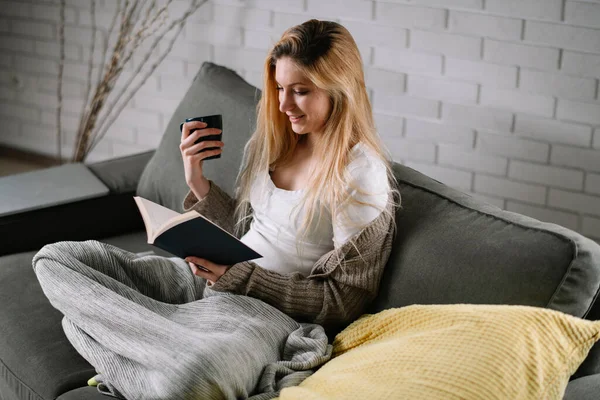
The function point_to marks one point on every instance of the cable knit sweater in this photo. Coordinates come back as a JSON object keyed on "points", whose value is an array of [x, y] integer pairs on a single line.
{"points": [[342, 282]]}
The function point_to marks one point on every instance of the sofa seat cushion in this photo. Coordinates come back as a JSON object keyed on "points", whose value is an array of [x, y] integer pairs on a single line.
{"points": [[459, 351], [36, 359]]}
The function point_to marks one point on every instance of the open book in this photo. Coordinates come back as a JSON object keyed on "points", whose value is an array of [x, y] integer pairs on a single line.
{"points": [[191, 234]]}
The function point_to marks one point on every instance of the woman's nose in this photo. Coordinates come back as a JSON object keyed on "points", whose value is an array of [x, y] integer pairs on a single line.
{"points": [[286, 102]]}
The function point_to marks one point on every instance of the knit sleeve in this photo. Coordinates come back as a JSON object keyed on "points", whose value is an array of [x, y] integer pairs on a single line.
{"points": [[217, 206], [342, 283]]}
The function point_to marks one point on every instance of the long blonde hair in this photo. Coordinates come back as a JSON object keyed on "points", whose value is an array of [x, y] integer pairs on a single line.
{"points": [[328, 56]]}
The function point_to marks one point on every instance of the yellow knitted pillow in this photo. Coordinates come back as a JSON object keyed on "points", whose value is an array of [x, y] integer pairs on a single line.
{"points": [[457, 351]]}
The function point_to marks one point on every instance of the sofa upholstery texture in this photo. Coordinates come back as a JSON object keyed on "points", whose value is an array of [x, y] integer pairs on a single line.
{"points": [[450, 248]]}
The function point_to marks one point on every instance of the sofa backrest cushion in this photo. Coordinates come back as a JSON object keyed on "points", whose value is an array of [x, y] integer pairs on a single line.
{"points": [[453, 248], [215, 90]]}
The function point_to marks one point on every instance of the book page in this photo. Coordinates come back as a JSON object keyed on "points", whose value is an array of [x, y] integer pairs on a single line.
{"points": [[154, 215]]}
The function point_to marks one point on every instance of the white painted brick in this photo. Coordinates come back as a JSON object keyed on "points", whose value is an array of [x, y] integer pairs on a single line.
{"points": [[51, 49], [408, 61], [15, 9], [517, 101], [16, 44], [457, 179], [514, 148], [596, 143], [254, 78], [559, 85], [214, 34], [472, 160], [276, 5], [246, 59], [493, 75], [145, 120], [102, 19], [52, 13], [578, 111], [447, 44], [148, 140], [440, 89], [591, 227], [120, 134], [373, 34], [193, 52], [405, 105], [22, 112], [385, 81], [586, 159], [67, 122], [564, 36], [526, 9], [33, 29], [50, 86], [485, 25], [35, 65], [545, 174], [282, 21], [552, 130], [581, 64], [566, 219], [495, 201], [79, 70], [80, 35], [242, 16], [586, 14], [409, 16], [477, 117], [43, 101], [516, 54], [402, 149], [330, 9], [467, 4], [255, 39], [439, 133], [156, 103], [388, 125], [592, 183], [581, 203], [124, 149], [509, 189], [167, 66]]}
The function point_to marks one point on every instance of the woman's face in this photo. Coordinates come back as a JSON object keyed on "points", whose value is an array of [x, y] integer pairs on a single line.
{"points": [[306, 106]]}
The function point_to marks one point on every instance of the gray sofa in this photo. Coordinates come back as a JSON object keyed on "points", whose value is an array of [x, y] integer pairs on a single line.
{"points": [[450, 248]]}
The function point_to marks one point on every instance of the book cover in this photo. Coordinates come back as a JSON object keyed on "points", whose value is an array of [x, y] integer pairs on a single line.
{"points": [[191, 234]]}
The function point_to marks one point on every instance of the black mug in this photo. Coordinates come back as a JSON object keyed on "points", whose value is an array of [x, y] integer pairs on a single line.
{"points": [[212, 121]]}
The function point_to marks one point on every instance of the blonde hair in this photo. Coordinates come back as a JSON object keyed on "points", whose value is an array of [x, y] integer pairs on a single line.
{"points": [[328, 56]]}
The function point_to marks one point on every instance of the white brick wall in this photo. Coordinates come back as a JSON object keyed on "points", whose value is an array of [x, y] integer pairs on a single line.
{"points": [[496, 98]]}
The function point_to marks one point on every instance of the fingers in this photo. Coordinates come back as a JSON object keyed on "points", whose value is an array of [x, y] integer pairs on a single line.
{"points": [[206, 269], [197, 134], [188, 126]]}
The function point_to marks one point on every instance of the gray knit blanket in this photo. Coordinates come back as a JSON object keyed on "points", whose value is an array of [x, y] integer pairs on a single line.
{"points": [[153, 330]]}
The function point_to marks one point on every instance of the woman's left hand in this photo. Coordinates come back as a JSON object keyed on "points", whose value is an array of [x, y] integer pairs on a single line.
{"points": [[206, 269]]}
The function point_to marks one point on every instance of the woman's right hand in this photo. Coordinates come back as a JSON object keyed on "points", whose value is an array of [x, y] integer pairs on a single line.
{"points": [[193, 159]]}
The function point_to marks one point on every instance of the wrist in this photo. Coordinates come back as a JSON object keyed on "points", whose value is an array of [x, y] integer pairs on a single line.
{"points": [[200, 188]]}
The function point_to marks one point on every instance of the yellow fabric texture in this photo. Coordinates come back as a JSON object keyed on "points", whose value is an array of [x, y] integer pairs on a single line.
{"points": [[459, 351]]}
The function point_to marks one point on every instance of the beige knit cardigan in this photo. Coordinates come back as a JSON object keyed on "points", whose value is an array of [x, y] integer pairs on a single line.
{"points": [[342, 282]]}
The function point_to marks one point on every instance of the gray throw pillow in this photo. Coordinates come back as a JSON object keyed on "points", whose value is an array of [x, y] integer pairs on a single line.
{"points": [[215, 90]]}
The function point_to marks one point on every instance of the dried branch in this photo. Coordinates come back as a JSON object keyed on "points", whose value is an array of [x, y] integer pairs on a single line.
{"points": [[61, 65], [139, 20], [180, 23]]}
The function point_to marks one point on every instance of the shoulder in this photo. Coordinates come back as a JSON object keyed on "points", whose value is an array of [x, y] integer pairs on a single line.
{"points": [[366, 169]]}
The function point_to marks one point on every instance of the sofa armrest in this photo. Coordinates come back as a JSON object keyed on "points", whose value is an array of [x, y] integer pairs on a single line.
{"points": [[121, 175], [584, 388], [97, 218]]}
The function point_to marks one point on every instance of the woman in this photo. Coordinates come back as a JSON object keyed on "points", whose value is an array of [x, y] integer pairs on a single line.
{"points": [[316, 197], [315, 154]]}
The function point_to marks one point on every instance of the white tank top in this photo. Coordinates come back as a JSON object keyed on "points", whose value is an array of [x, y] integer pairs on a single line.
{"points": [[274, 235]]}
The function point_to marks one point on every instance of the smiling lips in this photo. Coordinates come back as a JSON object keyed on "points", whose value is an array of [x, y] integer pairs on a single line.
{"points": [[295, 118]]}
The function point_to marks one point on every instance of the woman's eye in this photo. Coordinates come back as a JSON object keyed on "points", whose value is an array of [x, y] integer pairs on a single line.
{"points": [[301, 93], [279, 88]]}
